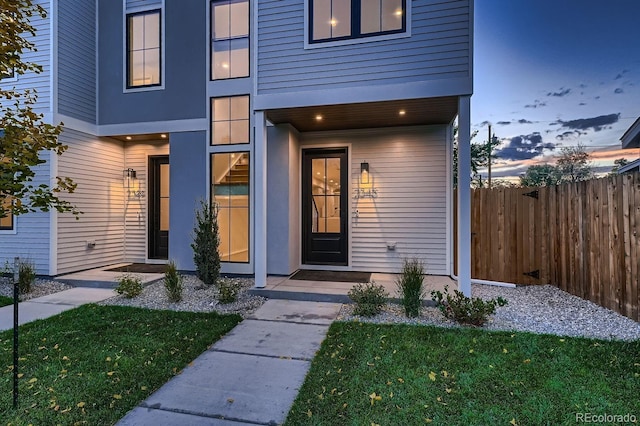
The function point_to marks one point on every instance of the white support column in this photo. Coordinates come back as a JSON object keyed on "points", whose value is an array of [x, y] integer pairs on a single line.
{"points": [[464, 195], [260, 191]]}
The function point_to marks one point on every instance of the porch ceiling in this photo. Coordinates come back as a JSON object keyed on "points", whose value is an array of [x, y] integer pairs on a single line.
{"points": [[368, 115]]}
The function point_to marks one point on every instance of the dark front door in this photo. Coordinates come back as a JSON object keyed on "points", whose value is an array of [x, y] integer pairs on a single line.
{"points": [[158, 207], [324, 206]]}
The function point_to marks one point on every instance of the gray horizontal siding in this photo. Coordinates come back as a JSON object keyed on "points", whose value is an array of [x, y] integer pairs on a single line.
{"points": [[96, 165], [408, 168], [77, 59], [439, 48], [40, 82], [143, 4], [32, 239]]}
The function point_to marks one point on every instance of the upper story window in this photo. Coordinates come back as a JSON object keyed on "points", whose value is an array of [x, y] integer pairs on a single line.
{"points": [[332, 20], [230, 120], [143, 49], [229, 39]]}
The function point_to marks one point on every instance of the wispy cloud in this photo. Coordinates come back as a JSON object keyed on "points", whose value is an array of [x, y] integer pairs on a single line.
{"points": [[524, 147], [536, 104], [524, 121], [563, 92], [595, 123], [618, 91], [504, 123]]}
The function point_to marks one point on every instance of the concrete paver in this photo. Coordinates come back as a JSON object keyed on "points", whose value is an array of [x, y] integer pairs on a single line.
{"points": [[277, 339], [141, 416], [53, 304], [252, 375], [244, 387], [297, 311]]}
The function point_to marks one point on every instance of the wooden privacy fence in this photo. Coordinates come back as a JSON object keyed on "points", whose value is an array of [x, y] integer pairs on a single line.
{"points": [[582, 237]]}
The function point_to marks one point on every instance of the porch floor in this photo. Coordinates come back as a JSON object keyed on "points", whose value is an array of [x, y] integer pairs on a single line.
{"points": [[279, 287]]}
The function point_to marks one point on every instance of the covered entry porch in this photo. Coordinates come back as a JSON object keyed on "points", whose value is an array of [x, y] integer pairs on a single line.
{"points": [[358, 127]]}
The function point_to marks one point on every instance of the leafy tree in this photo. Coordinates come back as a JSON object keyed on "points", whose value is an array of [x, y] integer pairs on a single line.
{"points": [[24, 136], [573, 164], [540, 175], [479, 158], [617, 164]]}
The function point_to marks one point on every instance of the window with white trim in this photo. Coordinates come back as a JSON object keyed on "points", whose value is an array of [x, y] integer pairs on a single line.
{"points": [[144, 53], [332, 20], [6, 222]]}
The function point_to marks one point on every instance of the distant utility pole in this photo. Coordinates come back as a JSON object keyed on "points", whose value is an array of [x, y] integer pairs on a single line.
{"points": [[489, 155]]}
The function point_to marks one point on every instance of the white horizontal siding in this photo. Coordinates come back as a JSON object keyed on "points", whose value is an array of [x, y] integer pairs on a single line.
{"points": [[408, 168], [31, 241], [40, 82], [96, 165], [439, 47], [77, 59], [137, 157]]}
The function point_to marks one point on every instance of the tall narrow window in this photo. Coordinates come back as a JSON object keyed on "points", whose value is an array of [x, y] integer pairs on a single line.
{"points": [[143, 49], [229, 39], [230, 191], [6, 222], [230, 120], [331, 20]]}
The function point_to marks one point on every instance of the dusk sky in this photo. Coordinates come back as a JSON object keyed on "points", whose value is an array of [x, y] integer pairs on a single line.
{"points": [[554, 73]]}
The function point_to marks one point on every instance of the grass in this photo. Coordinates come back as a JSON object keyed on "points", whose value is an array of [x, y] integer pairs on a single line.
{"points": [[366, 374], [91, 365], [6, 301]]}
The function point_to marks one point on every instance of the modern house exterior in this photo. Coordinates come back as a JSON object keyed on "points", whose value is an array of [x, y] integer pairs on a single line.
{"points": [[323, 129]]}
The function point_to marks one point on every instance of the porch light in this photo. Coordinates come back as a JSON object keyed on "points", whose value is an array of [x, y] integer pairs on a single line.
{"points": [[318, 117], [131, 184], [402, 112], [364, 173]]}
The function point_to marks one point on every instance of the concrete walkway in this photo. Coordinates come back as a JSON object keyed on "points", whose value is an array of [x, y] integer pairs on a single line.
{"points": [[249, 377], [53, 304]]}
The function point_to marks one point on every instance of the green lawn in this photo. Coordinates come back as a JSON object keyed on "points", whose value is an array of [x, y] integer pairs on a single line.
{"points": [[92, 364], [368, 374], [6, 301]]}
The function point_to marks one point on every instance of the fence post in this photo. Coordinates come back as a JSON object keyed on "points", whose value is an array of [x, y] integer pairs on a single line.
{"points": [[16, 291]]}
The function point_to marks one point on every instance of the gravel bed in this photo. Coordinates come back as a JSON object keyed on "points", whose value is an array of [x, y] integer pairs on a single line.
{"points": [[39, 288], [537, 309], [196, 297]]}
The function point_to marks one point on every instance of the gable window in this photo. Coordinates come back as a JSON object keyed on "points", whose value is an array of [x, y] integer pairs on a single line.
{"points": [[229, 39], [143, 49], [332, 20], [230, 120]]}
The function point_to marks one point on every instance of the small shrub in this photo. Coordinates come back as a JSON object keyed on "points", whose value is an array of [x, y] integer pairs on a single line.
{"points": [[26, 276], [206, 241], [411, 286], [173, 283], [228, 290], [369, 299], [463, 309], [129, 285]]}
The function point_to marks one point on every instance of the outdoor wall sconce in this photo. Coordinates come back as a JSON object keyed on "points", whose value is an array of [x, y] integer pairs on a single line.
{"points": [[365, 187], [364, 173], [132, 184]]}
